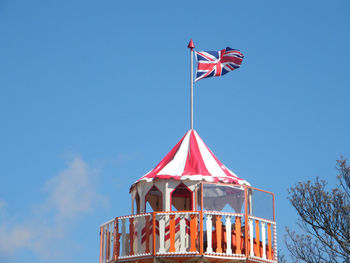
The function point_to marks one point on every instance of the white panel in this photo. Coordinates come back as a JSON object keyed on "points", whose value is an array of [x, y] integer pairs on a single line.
{"points": [[177, 164], [251, 235], [172, 184], [142, 189], [263, 237], [162, 186], [145, 188], [209, 234], [228, 235], [191, 184], [142, 204], [162, 234], [182, 233], [167, 205]]}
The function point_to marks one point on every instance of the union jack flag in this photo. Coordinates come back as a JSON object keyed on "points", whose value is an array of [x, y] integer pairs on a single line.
{"points": [[217, 63]]}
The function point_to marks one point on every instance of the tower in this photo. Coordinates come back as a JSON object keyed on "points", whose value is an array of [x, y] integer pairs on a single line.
{"points": [[192, 208]]}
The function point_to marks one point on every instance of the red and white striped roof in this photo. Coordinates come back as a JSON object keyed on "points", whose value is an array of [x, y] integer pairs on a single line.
{"points": [[192, 159]]}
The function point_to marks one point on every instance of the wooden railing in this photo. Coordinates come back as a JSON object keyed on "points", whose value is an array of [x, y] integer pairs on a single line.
{"points": [[188, 233], [108, 240], [224, 234], [262, 238]]}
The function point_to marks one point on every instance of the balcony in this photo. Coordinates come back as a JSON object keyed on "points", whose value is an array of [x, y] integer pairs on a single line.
{"points": [[186, 235]]}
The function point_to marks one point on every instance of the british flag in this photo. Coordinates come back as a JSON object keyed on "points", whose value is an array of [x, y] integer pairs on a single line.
{"points": [[217, 63]]}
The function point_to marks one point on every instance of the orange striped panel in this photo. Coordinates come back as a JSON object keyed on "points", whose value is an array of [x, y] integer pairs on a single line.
{"points": [[172, 233], [218, 227], [257, 239], [193, 232], [269, 238], [238, 235]]}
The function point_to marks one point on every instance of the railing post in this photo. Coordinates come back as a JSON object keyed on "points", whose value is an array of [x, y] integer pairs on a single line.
{"points": [[218, 227], [101, 244], [124, 241], [209, 233], [182, 233], [147, 228], [257, 239], [263, 237], [154, 225], [228, 235], [161, 234], [116, 245], [172, 233], [269, 255], [138, 249], [246, 243], [131, 235], [238, 235], [275, 242], [201, 232], [251, 236], [108, 241], [193, 232]]}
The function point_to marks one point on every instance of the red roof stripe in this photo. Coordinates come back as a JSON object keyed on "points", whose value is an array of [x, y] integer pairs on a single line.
{"points": [[165, 160], [195, 164]]}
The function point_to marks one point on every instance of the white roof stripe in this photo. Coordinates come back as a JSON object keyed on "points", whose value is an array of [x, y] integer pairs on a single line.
{"points": [[212, 166], [177, 165]]}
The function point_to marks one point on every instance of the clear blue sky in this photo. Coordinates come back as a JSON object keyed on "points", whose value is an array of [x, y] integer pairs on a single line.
{"points": [[94, 93]]}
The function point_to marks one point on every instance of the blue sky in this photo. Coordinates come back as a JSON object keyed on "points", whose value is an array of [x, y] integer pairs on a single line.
{"points": [[94, 93]]}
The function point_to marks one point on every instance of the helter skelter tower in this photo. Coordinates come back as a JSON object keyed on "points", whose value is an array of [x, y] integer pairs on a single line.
{"points": [[192, 208]]}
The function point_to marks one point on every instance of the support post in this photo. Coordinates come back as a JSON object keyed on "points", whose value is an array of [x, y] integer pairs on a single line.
{"points": [[191, 47], [101, 244]]}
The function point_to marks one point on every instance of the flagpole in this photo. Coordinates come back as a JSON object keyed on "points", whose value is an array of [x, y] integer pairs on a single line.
{"points": [[191, 47]]}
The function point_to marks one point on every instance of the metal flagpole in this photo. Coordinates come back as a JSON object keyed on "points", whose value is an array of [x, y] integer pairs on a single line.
{"points": [[191, 47]]}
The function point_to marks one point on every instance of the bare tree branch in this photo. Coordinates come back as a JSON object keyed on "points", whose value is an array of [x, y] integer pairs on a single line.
{"points": [[324, 216]]}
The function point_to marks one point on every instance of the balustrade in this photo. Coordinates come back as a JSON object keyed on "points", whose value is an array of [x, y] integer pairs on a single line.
{"points": [[262, 238], [188, 233]]}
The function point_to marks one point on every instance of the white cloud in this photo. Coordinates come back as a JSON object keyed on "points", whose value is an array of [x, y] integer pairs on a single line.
{"points": [[13, 238], [71, 193], [2, 204], [73, 190]]}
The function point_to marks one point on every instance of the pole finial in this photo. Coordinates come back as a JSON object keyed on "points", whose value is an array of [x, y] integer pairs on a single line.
{"points": [[191, 45]]}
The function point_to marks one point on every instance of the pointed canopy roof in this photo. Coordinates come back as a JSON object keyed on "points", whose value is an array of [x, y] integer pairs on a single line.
{"points": [[192, 159]]}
